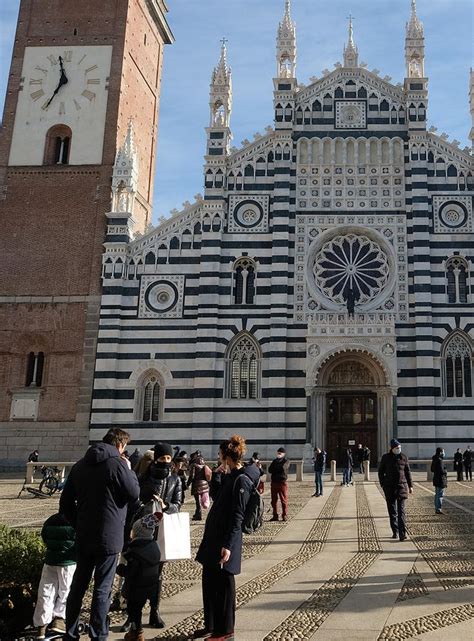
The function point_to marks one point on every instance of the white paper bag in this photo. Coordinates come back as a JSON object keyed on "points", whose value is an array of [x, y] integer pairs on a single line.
{"points": [[174, 537]]}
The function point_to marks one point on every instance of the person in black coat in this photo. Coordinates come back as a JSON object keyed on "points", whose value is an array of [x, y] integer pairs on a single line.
{"points": [[440, 478], [160, 485], [94, 500], [141, 572], [467, 461], [220, 552], [458, 464], [395, 479], [347, 463]]}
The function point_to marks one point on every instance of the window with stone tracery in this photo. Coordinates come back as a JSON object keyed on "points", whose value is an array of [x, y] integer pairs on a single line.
{"points": [[243, 369], [457, 280], [457, 367], [243, 280], [149, 398]]}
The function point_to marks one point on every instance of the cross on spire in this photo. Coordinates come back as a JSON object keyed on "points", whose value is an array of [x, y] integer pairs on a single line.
{"points": [[350, 50], [351, 30]]}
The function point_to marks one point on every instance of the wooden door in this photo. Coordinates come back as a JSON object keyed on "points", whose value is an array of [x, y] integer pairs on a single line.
{"points": [[351, 419]]}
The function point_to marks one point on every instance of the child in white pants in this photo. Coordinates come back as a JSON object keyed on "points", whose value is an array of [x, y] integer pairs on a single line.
{"points": [[56, 578]]}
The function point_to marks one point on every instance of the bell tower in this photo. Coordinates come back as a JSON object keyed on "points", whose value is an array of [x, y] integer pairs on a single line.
{"points": [[83, 92]]}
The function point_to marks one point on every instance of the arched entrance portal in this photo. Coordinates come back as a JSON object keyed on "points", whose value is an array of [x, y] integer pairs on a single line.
{"points": [[351, 403]]}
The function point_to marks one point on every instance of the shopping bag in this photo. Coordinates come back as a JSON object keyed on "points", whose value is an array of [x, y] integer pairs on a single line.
{"points": [[204, 499], [174, 538]]}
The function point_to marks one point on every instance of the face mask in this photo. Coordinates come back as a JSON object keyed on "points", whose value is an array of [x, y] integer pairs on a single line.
{"points": [[163, 466], [397, 450], [441, 455], [280, 455]]}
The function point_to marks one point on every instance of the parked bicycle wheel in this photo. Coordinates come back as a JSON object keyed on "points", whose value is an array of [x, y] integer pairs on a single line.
{"points": [[49, 485]]}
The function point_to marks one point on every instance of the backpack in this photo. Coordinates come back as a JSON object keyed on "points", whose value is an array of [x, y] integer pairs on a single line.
{"points": [[254, 511]]}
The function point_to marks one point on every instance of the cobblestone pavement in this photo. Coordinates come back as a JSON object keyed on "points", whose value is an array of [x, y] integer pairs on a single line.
{"points": [[380, 589]]}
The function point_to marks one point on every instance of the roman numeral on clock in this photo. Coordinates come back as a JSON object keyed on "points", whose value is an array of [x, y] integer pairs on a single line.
{"points": [[36, 81], [36, 95], [94, 81], [93, 68], [90, 95]]}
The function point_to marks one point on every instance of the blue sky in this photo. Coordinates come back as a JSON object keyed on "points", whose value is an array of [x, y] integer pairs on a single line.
{"points": [[250, 27]]}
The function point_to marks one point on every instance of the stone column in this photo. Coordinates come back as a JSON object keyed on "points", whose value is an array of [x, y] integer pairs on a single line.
{"points": [[384, 418], [319, 418]]}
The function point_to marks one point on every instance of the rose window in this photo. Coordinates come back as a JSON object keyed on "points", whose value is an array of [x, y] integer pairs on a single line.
{"points": [[351, 262]]}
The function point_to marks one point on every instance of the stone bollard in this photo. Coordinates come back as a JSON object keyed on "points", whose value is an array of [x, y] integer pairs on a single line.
{"points": [[429, 473], [333, 470], [366, 470]]}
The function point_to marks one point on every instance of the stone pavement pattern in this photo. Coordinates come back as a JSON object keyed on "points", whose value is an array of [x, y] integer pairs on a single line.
{"points": [[332, 571]]}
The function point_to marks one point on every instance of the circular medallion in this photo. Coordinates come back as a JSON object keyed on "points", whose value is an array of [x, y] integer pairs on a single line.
{"points": [[453, 214], [313, 350], [161, 296], [351, 265], [248, 214]]}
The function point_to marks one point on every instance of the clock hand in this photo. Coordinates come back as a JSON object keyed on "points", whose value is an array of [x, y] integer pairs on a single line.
{"points": [[63, 80]]}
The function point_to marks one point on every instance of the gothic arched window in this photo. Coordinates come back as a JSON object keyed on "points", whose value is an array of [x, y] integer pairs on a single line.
{"points": [[457, 280], [243, 368], [243, 282], [57, 145], [457, 367], [150, 398]]}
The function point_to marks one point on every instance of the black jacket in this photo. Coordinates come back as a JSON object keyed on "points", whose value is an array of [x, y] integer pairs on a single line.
{"points": [[278, 468], [142, 571], [440, 473], [95, 498], [457, 461], [320, 462], [467, 457], [169, 488], [224, 522], [347, 460], [395, 475]]}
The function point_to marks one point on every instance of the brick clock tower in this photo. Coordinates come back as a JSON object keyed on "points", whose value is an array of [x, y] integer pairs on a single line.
{"points": [[77, 141]]}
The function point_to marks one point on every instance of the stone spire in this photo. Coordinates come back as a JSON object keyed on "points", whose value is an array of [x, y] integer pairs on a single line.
{"points": [[414, 46], [125, 173], [351, 53], [414, 26], [471, 100], [286, 45], [220, 95]]}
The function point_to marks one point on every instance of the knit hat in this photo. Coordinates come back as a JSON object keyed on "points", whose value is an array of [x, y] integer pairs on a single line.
{"points": [[394, 443], [162, 449], [282, 450], [145, 527]]}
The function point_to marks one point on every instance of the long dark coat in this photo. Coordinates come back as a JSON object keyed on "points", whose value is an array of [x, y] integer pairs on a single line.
{"points": [[168, 487], [224, 521], [95, 498], [440, 473], [395, 475]]}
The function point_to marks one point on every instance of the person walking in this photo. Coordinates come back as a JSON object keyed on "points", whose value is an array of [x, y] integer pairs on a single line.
{"points": [[347, 463], [160, 484], [440, 478], [94, 501], [319, 460], [59, 565], [278, 470], [395, 479], [141, 572], [467, 462], [458, 463], [220, 552], [199, 476], [359, 455]]}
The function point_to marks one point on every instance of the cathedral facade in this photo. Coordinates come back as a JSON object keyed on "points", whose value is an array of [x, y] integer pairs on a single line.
{"points": [[320, 292]]}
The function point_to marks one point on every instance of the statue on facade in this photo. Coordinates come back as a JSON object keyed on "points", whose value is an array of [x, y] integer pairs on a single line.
{"points": [[351, 298]]}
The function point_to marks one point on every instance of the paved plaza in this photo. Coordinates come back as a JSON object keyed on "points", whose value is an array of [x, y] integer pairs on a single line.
{"points": [[331, 571]]}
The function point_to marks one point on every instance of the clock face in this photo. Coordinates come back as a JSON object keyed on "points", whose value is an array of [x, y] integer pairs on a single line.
{"points": [[62, 86], [68, 81]]}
